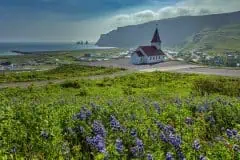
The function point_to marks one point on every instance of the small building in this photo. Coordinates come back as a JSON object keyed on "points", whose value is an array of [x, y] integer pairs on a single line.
{"points": [[149, 54]]}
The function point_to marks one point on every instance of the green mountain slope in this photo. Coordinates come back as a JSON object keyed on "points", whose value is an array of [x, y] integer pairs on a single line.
{"points": [[223, 40]]}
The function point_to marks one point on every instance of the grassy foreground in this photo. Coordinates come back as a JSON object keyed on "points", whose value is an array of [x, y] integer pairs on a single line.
{"points": [[60, 72], [138, 116]]}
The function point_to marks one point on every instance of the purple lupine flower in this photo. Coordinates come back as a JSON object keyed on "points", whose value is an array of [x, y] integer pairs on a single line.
{"points": [[133, 132], [114, 123], [98, 129], [169, 156], [134, 151], [196, 145], [149, 157], [229, 133], [157, 107], [169, 129], [175, 140], [160, 125], [163, 137], [180, 155], [83, 114], [139, 144], [119, 146], [235, 132], [202, 157], [189, 121], [97, 142]]}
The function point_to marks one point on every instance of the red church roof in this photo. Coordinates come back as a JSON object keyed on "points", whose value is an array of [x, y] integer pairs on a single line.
{"points": [[156, 37], [152, 51]]}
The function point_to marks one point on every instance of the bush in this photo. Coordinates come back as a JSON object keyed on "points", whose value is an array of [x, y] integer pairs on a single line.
{"points": [[223, 86], [71, 84]]}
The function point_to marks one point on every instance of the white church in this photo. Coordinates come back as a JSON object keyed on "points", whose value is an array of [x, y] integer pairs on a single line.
{"points": [[149, 54]]}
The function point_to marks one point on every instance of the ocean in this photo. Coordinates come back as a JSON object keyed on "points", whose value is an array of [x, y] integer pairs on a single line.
{"points": [[7, 48]]}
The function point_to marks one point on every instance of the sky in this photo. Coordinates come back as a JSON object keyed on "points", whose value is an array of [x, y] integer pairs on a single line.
{"points": [[75, 20]]}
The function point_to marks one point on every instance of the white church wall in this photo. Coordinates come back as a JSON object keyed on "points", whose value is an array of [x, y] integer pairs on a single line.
{"points": [[135, 59]]}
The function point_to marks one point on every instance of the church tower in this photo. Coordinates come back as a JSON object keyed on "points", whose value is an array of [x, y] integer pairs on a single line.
{"points": [[156, 41]]}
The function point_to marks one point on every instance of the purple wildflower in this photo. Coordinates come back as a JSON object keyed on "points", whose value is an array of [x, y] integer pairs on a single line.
{"points": [[180, 154], [83, 114], [138, 149], [139, 144], [149, 157], [119, 146], [134, 151], [163, 137], [202, 157], [169, 156], [235, 132], [169, 129], [115, 124], [196, 145], [175, 140], [97, 142], [98, 129], [160, 125], [133, 132], [229, 133]]}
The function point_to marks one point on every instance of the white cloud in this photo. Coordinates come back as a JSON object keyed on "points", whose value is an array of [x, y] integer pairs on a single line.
{"points": [[183, 8], [56, 28]]}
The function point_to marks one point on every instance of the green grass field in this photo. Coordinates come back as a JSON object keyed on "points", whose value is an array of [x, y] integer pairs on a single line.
{"points": [[138, 116], [61, 72]]}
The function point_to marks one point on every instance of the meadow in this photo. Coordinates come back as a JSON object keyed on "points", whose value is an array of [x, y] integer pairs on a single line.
{"points": [[138, 116], [64, 71]]}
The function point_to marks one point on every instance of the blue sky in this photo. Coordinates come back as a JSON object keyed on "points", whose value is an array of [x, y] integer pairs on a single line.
{"points": [[71, 20]]}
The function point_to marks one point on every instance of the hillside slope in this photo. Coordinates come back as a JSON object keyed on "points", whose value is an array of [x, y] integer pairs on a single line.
{"points": [[224, 39], [173, 31]]}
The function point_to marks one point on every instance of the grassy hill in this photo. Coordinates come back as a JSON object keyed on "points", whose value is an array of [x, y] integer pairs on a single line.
{"points": [[223, 40]]}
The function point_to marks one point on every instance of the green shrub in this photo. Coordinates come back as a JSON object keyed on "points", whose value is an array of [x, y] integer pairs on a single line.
{"points": [[223, 86], [71, 84]]}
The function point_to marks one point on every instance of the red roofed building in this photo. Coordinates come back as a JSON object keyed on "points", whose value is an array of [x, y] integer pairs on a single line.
{"points": [[149, 54]]}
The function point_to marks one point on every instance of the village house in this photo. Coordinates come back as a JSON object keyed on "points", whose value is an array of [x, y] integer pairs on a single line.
{"points": [[149, 54]]}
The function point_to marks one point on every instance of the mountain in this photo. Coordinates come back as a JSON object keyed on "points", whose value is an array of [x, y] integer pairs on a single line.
{"points": [[173, 31], [223, 39]]}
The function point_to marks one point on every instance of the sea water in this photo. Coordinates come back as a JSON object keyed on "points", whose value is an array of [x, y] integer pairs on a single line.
{"points": [[7, 48]]}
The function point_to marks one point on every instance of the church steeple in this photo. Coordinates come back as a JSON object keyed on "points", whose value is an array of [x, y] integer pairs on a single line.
{"points": [[156, 41], [156, 37]]}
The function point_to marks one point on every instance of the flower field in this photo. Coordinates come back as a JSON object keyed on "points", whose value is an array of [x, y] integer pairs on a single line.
{"points": [[139, 116]]}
